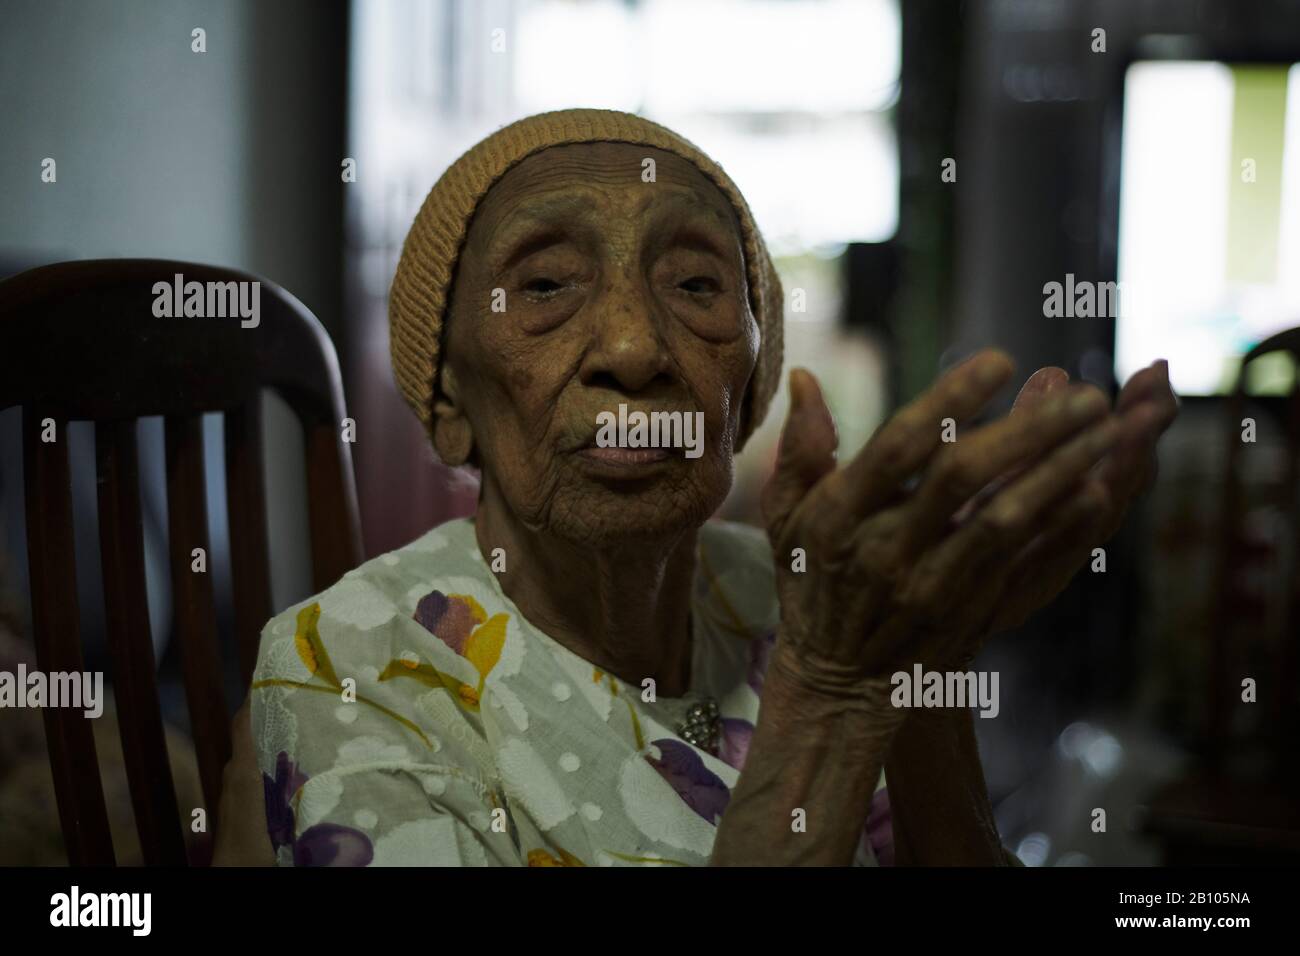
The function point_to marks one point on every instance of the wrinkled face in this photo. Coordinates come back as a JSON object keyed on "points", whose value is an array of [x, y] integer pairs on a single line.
{"points": [[582, 287]]}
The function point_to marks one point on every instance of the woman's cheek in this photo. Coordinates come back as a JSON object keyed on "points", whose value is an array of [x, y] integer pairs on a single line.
{"points": [[539, 318], [716, 321]]}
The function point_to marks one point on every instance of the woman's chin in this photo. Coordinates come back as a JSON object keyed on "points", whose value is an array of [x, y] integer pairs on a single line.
{"points": [[631, 510]]}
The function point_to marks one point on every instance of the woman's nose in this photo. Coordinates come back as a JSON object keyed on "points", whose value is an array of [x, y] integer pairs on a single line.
{"points": [[629, 350]]}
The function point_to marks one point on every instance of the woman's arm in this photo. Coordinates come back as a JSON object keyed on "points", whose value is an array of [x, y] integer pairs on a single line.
{"points": [[940, 804], [937, 796], [887, 582], [241, 837], [813, 764]]}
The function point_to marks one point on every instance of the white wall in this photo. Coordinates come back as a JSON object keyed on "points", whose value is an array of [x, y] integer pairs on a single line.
{"points": [[229, 156]]}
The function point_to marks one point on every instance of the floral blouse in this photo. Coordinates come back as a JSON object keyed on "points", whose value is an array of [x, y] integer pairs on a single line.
{"points": [[410, 715]]}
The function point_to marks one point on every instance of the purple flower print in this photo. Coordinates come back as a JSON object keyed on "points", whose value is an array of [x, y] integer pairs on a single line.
{"points": [[879, 831], [278, 793], [734, 746], [448, 618], [325, 844], [330, 844], [701, 789], [760, 655]]}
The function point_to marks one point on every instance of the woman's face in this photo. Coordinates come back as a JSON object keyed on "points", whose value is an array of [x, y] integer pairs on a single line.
{"points": [[582, 287]]}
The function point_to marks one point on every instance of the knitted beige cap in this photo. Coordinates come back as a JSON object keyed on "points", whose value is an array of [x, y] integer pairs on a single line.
{"points": [[421, 286]]}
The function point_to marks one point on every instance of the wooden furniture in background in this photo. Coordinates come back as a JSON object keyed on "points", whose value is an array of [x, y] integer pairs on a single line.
{"points": [[1240, 801], [80, 341]]}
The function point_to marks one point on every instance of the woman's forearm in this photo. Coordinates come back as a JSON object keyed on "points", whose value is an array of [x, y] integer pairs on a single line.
{"points": [[812, 767], [938, 799]]}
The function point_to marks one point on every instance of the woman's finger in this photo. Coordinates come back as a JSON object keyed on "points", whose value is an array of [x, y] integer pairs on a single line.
{"points": [[1128, 469], [805, 454], [1018, 513], [1148, 407], [1046, 565], [1146, 383], [967, 466], [1046, 381], [1079, 518], [1025, 507], [907, 440]]}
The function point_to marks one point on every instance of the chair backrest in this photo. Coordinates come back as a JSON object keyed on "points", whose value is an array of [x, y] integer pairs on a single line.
{"points": [[1281, 648], [84, 341]]}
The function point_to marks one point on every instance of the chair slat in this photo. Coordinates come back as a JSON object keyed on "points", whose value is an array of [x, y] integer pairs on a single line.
{"points": [[331, 504], [195, 613], [126, 605], [80, 340], [55, 623], [246, 510]]}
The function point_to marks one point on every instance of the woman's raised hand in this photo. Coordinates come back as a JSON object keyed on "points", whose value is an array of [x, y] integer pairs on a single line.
{"points": [[911, 554], [908, 550]]}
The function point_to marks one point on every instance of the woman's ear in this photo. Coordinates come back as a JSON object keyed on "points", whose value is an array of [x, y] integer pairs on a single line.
{"points": [[453, 436]]}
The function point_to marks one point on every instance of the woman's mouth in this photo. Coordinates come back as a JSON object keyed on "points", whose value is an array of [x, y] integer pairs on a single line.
{"points": [[625, 457]]}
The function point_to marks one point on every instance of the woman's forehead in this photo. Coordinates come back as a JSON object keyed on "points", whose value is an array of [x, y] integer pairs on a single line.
{"points": [[574, 177]]}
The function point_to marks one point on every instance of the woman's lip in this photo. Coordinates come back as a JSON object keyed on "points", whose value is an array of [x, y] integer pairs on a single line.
{"points": [[625, 457]]}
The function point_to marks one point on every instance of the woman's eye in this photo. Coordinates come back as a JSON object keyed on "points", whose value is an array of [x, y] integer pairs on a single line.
{"points": [[542, 286], [699, 285]]}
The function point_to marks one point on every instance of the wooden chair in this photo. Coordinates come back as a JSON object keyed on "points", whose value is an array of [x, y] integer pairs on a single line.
{"points": [[80, 340], [1282, 661], [1213, 813]]}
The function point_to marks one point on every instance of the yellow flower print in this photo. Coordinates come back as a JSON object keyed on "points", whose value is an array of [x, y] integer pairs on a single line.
{"points": [[460, 622], [311, 650], [540, 857]]}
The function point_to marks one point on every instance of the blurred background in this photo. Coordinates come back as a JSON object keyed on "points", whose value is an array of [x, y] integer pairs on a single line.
{"points": [[921, 169]]}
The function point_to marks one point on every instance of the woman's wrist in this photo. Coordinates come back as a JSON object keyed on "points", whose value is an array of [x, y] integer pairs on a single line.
{"points": [[810, 673], [819, 693]]}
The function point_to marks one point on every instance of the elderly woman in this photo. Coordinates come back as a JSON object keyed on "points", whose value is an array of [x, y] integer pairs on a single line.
{"points": [[574, 675]]}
